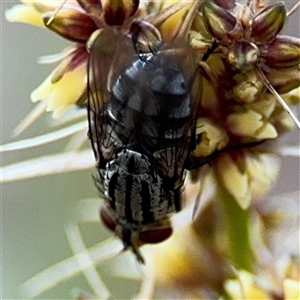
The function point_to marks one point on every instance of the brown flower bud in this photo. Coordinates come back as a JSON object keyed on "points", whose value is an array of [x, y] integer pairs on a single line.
{"points": [[268, 23], [283, 52], [284, 80], [146, 37], [220, 23], [116, 12], [228, 4], [90, 6], [243, 54], [70, 24]]}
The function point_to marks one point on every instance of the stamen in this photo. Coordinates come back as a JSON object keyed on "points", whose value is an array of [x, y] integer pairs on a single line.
{"points": [[294, 8], [86, 264], [44, 139], [37, 111], [68, 268]]}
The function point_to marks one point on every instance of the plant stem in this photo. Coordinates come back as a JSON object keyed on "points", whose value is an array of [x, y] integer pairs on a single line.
{"points": [[237, 222]]}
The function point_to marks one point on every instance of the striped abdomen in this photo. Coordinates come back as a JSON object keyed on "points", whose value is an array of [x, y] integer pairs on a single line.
{"points": [[135, 193]]}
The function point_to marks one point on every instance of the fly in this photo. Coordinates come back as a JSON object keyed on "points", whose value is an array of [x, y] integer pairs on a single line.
{"points": [[142, 128]]}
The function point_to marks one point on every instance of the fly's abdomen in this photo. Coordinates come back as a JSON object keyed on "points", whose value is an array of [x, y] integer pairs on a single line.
{"points": [[133, 192]]}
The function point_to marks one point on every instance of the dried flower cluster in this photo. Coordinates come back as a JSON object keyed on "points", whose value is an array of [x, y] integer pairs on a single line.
{"points": [[250, 75]]}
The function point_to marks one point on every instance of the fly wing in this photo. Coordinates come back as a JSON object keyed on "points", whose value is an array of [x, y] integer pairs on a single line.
{"points": [[182, 120], [105, 50]]}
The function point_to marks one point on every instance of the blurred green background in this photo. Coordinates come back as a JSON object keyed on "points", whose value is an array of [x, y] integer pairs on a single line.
{"points": [[33, 212]]}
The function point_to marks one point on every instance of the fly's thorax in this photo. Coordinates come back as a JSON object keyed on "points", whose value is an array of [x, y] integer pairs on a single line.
{"points": [[150, 104], [135, 192], [160, 74], [156, 87]]}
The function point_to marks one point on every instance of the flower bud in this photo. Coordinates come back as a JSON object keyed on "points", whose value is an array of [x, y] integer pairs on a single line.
{"points": [[116, 12], [265, 106], [70, 24], [90, 6], [284, 80], [145, 36], [234, 178], [283, 121], [245, 287], [220, 23], [250, 124], [248, 87], [242, 54], [292, 97], [211, 136], [228, 4], [283, 52], [268, 23]]}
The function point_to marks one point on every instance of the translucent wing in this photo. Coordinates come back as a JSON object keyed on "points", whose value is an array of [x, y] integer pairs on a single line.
{"points": [[107, 49], [181, 122], [150, 105]]}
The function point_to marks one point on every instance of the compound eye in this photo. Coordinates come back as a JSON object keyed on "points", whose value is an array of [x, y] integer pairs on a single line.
{"points": [[155, 236], [107, 219]]}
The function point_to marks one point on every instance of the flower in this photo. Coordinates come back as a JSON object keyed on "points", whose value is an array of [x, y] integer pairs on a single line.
{"points": [[75, 21], [248, 74], [239, 97]]}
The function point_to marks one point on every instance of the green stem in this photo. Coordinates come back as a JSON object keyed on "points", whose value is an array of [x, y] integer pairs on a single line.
{"points": [[237, 222]]}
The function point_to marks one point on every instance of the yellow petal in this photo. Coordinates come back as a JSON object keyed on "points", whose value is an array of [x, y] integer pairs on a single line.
{"points": [[43, 91], [235, 181], [263, 170], [67, 90], [233, 288], [245, 123], [291, 289], [293, 96], [183, 262], [24, 14], [284, 120], [62, 94], [212, 137], [245, 288], [265, 106], [268, 131], [251, 124]]}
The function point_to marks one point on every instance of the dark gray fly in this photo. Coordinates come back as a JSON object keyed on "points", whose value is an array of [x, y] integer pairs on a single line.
{"points": [[142, 116]]}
